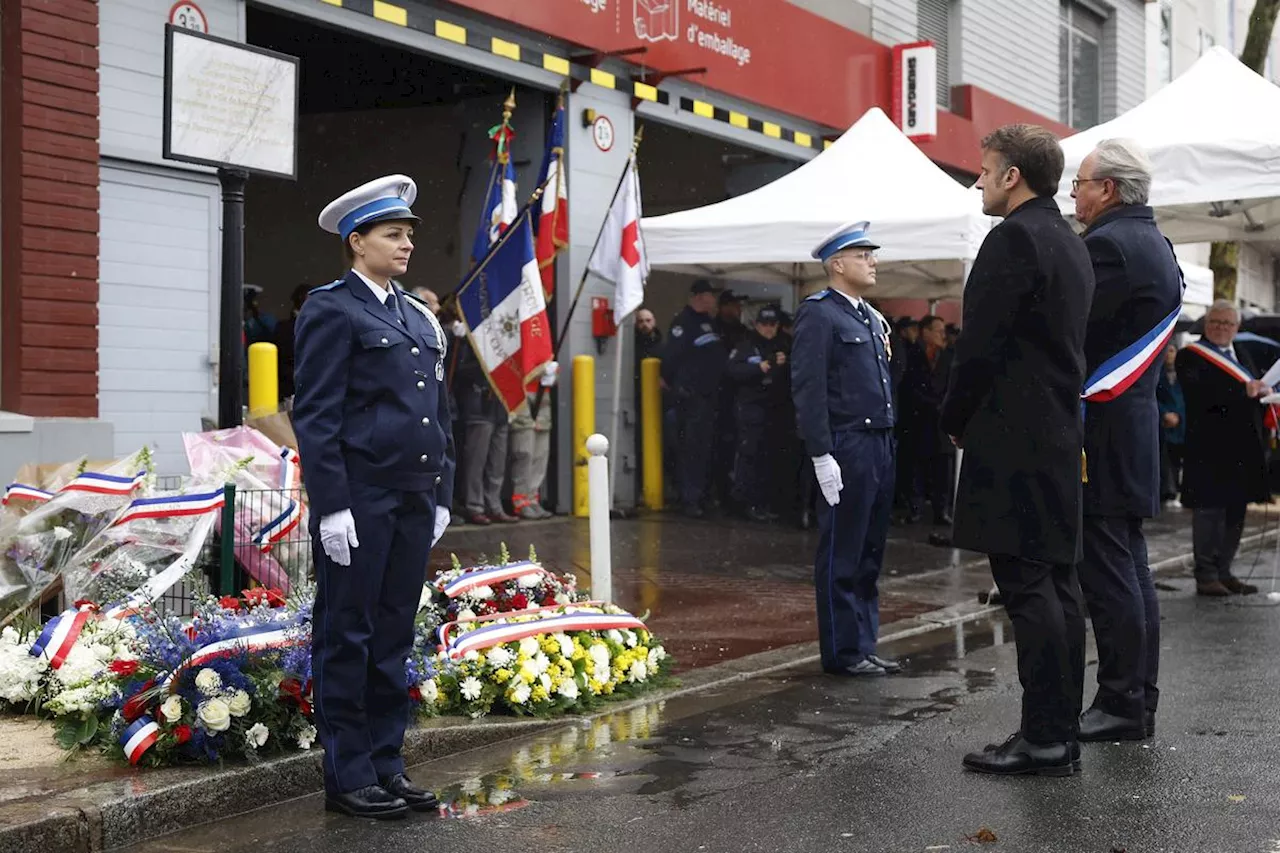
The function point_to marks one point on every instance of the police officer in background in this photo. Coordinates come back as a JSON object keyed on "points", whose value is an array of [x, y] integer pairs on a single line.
{"points": [[692, 365], [844, 405], [758, 370], [372, 418]]}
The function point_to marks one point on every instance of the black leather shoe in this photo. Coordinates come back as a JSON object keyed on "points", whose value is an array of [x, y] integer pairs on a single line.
{"points": [[1076, 764], [892, 667], [861, 669], [1020, 757], [1097, 725], [372, 801], [419, 799], [1149, 723]]}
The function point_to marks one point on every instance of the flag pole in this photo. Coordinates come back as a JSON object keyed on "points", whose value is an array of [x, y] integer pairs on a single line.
{"points": [[617, 411], [586, 270]]}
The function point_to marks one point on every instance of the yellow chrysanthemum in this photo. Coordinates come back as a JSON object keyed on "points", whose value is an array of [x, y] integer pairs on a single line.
{"points": [[502, 676], [539, 694]]}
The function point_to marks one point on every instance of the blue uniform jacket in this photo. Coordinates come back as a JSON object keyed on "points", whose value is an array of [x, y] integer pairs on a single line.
{"points": [[1138, 285], [840, 377], [371, 403], [695, 357]]}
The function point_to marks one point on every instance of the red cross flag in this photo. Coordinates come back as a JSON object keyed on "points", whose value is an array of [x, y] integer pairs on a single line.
{"points": [[619, 256]]}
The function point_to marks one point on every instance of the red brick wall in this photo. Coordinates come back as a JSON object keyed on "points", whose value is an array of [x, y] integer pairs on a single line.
{"points": [[49, 207]]}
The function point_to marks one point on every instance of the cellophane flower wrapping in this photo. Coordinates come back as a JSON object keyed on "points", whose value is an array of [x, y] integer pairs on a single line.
{"points": [[39, 543]]}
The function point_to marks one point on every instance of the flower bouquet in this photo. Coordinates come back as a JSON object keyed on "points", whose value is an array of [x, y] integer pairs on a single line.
{"points": [[42, 541]]}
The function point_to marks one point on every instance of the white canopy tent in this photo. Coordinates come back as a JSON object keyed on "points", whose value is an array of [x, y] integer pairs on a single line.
{"points": [[926, 223], [1214, 137]]}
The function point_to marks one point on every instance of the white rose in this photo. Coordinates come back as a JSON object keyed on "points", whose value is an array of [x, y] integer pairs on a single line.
{"points": [[239, 703], [569, 689], [529, 581], [171, 710], [528, 647], [208, 682], [499, 657], [256, 736], [471, 688], [306, 737], [566, 645], [430, 692], [465, 614], [563, 598], [214, 714], [482, 592], [520, 694]]}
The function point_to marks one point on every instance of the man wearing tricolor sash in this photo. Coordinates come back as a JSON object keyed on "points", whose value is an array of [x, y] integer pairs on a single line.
{"points": [[1136, 302], [1224, 464]]}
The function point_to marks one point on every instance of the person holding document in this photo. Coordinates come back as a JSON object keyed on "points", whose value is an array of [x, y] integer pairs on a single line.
{"points": [[1225, 462], [1013, 404]]}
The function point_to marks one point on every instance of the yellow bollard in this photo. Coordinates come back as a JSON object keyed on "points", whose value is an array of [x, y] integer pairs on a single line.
{"points": [[584, 425], [264, 378], [651, 430]]}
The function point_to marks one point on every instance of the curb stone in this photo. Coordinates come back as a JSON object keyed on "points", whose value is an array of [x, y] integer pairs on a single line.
{"points": [[109, 815]]}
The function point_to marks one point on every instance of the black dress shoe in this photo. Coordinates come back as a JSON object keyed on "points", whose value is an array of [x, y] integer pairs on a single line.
{"points": [[1076, 764], [372, 801], [419, 799], [1097, 725], [1149, 723], [1020, 757], [861, 669], [892, 667]]}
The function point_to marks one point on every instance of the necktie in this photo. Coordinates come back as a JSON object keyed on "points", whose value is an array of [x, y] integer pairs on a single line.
{"points": [[861, 308], [393, 305]]}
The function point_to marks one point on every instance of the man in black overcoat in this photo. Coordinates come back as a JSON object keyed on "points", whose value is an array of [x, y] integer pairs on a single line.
{"points": [[1226, 458], [1137, 300], [1013, 405]]}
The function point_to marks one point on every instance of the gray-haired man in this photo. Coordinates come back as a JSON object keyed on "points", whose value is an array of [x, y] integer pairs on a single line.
{"points": [[1135, 304]]}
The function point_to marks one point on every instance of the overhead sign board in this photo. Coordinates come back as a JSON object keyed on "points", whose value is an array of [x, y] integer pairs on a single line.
{"points": [[229, 105], [915, 90]]}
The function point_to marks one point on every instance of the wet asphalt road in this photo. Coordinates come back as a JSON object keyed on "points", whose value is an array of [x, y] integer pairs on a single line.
{"points": [[804, 762]]}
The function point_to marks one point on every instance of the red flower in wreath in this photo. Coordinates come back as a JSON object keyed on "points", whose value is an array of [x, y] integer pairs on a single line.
{"points": [[519, 601], [415, 694], [182, 734], [291, 688], [549, 599], [229, 602], [124, 668], [136, 705], [275, 598], [85, 602]]}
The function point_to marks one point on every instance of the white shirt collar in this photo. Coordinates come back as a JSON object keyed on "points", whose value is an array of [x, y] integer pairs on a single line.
{"points": [[855, 300], [377, 289]]}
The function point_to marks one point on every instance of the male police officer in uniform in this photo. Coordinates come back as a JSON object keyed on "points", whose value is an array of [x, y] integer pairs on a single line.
{"points": [[844, 404], [372, 418], [692, 365], [758, 370]]}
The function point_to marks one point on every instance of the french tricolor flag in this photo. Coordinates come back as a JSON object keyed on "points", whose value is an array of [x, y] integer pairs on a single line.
{"points": [[505, 310], [552, 228]]}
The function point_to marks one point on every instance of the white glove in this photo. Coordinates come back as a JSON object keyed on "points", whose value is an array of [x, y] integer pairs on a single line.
{"points": [[827, 471], [442, 521], [550, 371], [338, 536], [459, 329]]}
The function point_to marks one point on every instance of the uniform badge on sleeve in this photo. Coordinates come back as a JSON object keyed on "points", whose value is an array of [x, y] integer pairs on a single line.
{"points": [[440, 370]]}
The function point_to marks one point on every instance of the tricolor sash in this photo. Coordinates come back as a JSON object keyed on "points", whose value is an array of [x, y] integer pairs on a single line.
{"points": [[251, 638], [280, 526], [479, 639], [1223, 362], [1115, 375], [20, 492], [104, 484], [173, 506]]}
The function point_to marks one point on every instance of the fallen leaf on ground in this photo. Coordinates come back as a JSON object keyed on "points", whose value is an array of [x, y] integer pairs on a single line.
{"points": [[982, 836], [1235, 798]]}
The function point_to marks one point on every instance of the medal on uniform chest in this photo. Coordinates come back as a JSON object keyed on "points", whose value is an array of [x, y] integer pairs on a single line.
{"points": [[440, 370]]}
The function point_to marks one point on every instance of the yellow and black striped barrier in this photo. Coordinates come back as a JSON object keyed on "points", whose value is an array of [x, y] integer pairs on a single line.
{"points": [[423, 21]]}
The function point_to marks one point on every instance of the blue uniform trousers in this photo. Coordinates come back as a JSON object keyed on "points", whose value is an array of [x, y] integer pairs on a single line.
{"points": [[362, 631], [851, 542]]}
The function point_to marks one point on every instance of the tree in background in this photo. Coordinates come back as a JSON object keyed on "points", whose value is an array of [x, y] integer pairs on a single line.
{"points": [[1224, 258]]}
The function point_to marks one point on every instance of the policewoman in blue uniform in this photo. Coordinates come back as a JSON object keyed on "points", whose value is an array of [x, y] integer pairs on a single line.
{"points": [[844, 405], [372, 418]]}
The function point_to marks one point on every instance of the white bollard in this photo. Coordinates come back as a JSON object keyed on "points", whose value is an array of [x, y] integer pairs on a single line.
{"points": [[598, 513]]}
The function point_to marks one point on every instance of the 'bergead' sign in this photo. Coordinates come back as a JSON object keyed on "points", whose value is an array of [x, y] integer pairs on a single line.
{"points": [[915, 90]]}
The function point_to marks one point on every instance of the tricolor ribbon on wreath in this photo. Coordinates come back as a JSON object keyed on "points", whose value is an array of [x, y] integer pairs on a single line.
{"points": [[60, 634], [138, 737], [544, 621], [488, 576], [250, 638], [280, 526], [101, 484]]}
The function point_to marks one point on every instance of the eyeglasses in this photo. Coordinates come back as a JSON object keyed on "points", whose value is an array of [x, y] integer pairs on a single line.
{"points": [[1076, 182], [861, 254]]}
